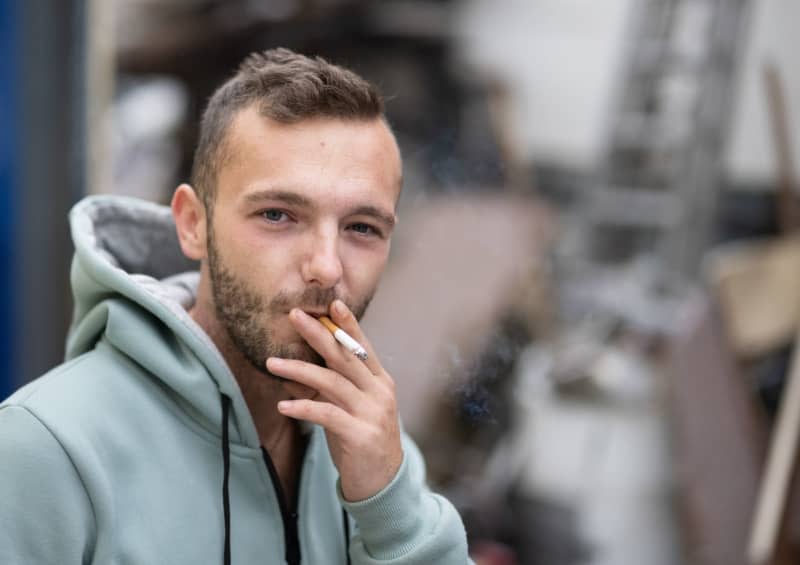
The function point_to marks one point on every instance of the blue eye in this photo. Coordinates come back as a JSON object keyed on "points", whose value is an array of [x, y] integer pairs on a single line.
{"points": [[362, 228], [273, 215]]}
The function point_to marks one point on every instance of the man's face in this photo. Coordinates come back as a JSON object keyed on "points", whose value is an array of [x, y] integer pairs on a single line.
{"points": [[303, 214]]}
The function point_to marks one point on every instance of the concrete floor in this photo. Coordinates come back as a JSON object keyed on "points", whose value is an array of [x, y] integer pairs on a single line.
{"points": [[606, 455]]}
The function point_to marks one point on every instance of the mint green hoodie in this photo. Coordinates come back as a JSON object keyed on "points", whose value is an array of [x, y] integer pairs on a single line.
{"points": [[119, 455]]}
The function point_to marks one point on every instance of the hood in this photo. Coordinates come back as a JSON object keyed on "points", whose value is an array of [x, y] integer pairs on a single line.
{"points": [[132, 286]]}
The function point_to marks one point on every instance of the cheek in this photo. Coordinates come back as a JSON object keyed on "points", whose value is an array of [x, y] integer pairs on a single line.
{"points": [[266, 268], [364, 271]]}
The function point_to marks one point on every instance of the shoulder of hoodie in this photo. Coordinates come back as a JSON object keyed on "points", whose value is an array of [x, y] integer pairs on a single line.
{"points": [[88, 376], [87, 396]]}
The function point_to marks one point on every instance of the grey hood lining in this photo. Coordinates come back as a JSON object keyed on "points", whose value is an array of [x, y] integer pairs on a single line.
{"points": [[138, 240]]}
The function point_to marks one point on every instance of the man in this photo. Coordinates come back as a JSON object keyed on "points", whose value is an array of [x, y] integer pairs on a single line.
{"points": [[207, 417]]}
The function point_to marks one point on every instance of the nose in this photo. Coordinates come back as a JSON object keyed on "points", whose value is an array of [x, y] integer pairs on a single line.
{"points": [[323, 264]]}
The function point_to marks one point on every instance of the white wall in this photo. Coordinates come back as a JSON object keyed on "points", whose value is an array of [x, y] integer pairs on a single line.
{"points": [[773, 35], [560, 58]]}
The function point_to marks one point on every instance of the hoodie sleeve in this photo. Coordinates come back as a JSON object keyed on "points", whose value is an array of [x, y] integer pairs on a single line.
{"points": [[45, 515], [405, 523]]}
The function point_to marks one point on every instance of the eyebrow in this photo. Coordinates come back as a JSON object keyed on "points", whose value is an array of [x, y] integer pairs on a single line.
{"points": [[377, 213], [295, 199], [286, 196]]}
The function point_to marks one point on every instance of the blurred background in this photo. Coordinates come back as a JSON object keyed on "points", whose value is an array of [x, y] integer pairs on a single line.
{"points": [[591, 308]]}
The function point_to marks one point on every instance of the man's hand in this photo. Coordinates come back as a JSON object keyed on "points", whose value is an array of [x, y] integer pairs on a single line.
{"points": [[356, 403]]}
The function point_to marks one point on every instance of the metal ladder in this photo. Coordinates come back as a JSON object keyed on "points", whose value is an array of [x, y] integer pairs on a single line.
{"points": [[661, 176]]}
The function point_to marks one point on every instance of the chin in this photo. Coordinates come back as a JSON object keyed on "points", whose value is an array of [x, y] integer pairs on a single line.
{"points": [[303, 352]]}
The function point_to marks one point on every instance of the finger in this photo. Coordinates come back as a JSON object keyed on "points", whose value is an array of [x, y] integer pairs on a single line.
{"points": [[337, 357], [325, 414], [330, 384], [344, 318]]}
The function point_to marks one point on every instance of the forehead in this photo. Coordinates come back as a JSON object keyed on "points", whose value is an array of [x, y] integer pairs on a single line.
{"points": [[326, 155]]}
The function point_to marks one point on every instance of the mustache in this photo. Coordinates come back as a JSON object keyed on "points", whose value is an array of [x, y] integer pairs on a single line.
{"points": [[311, 298]]}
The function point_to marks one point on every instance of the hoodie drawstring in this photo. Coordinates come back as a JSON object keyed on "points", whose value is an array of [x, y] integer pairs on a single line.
{"points": [[346, 521], [226, 497]]}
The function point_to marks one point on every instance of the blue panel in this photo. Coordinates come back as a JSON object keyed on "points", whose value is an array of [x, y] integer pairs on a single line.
{"points": [[9, 178]]}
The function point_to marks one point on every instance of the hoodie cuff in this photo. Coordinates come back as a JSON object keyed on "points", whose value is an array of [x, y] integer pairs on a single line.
{"points": [[393, 522]]}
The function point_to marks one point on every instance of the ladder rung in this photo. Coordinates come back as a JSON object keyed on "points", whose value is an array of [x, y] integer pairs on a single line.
{"points": [[637, 207]]}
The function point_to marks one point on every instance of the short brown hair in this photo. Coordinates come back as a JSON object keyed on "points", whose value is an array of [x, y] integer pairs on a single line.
{"points": [[286, 87]]}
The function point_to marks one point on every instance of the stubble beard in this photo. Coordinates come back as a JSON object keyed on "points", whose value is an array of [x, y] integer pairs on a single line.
{"points": [[248, 316]]}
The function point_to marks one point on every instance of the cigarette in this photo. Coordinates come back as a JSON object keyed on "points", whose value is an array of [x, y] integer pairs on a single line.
{"points": [[344, 338]]}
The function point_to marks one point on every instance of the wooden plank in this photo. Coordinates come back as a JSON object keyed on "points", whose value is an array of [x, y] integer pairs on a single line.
{"points": [[720, 436], [781, 462]]}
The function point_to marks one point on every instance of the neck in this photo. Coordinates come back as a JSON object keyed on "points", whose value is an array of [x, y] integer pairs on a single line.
{"points": [[260, 391]]}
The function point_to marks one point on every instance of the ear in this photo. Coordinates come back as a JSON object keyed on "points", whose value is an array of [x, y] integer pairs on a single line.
{"points": [[190, 221]]}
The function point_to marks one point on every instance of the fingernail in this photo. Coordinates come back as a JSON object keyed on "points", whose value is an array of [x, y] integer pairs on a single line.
{"points": [[284, 405], [275, 361]]}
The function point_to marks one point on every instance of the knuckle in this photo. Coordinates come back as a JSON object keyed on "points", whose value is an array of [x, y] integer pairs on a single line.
{"points": [[340, 363], [387, 419], [374, 436], [388, 393], [305, 407], [328, 411], [341, 381]]}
